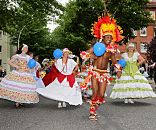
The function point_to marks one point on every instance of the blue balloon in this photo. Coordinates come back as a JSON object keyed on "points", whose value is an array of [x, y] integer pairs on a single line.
{"points": [[57, 53], [99, 49], [122, 62], [31, 63]]}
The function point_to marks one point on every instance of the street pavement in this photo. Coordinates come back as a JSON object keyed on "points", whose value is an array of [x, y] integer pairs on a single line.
{"points": [[114, 115]]}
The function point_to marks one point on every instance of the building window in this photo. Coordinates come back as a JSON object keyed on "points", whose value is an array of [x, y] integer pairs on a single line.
{"points": [[4, 33], [0, 48], [1, 33], [143, 32], [154, 31], [143, 47], [152, 14], [134, 32]]}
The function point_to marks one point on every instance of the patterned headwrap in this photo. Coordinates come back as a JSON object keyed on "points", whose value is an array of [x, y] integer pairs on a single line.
{"points": [[24, 45]]}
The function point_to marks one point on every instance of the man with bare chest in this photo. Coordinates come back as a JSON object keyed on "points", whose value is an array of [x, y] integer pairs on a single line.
{"points": [[108, 32], [100, 75], [102, 61]]}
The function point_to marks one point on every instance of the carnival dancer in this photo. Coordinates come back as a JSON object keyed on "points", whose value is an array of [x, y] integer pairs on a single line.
{"points": [[19, 85], [132, 84], [63, 87], [108, 32]]}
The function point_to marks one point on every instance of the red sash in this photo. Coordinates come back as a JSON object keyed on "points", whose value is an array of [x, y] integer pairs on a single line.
{"points": [[54, 73]]}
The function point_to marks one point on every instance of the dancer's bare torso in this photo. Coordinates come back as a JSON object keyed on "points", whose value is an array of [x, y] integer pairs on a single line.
{"points": [[102, 61]]}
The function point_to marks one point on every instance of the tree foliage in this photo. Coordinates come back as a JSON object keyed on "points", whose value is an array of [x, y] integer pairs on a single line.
{"points": [[18, 12], [74, 31], [130, 14], [151, 51], [26, 20], [75, 24]]}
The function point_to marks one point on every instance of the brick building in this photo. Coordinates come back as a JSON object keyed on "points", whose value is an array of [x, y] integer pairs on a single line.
{"points": [[145, 35], [6, 50]]}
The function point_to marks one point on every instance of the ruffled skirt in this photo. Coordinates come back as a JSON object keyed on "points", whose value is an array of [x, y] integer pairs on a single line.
{"points": [[62, 92], [132, 87], [19, 87]]}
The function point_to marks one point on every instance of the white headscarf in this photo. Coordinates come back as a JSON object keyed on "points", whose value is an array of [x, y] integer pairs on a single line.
{"points": [[24, 45], [66, 50], [131, 45]]}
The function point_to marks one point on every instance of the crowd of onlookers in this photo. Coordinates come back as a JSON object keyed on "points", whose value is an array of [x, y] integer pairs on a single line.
{"points": [[149, 71]]}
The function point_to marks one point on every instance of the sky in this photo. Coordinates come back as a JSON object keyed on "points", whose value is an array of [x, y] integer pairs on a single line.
{"points": [[52, 25], [63, 1]]}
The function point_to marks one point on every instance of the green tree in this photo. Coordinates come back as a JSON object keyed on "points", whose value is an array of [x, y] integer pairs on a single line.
{"points": [[79, 15], [130, 14], [151, 51], [151, 55], [26, 21], [15, 11]]}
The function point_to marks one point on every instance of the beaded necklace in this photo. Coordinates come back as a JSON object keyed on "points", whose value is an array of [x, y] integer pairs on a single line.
{"points": [[64, 65]]}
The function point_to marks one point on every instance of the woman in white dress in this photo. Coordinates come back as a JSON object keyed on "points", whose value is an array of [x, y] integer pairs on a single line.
{"points": [[19, 85], [132, 84], [63, 86]]}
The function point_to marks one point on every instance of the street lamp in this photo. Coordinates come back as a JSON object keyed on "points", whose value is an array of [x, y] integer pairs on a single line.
{"points": [[19, 36]]}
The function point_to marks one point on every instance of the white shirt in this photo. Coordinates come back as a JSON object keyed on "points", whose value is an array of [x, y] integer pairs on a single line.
{"points": [[65, 69], [133, 58]]}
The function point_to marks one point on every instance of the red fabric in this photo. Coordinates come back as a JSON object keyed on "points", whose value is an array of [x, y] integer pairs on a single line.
{"points": [[92, 110], [100, 100], [50, 77], [71, 80], [93, 106], [93, 101], [54, 73], [37, 74], [60, 77]]}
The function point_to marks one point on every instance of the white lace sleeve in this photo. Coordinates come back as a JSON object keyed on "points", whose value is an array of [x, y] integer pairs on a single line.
{"points": [[123, 55], [73, 63], [136, 54]]}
